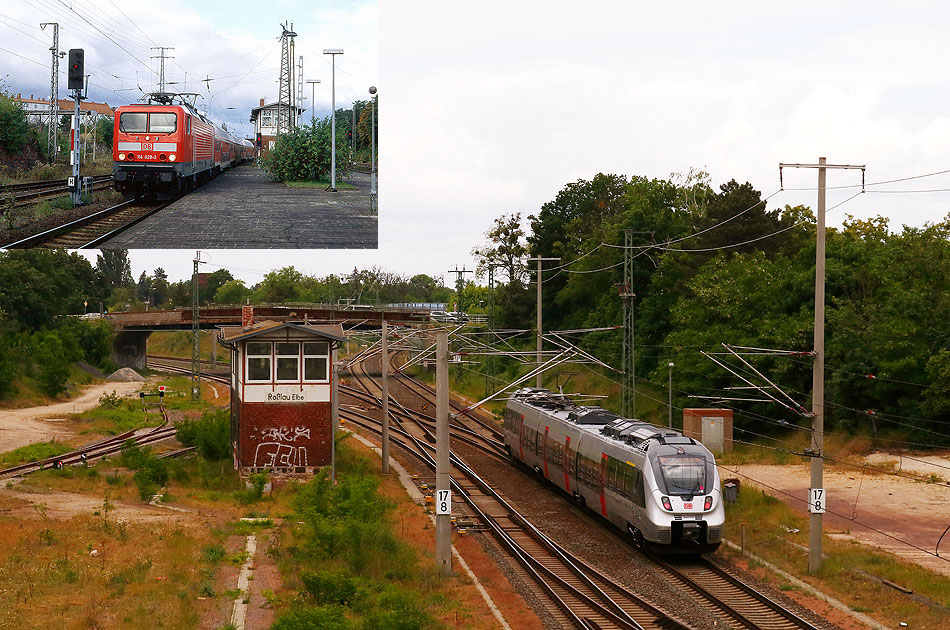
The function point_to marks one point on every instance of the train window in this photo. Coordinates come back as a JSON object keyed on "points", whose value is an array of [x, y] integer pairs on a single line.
{"points": [[316, 360], [162, 122], [258, 361], [288, 361], [612, 473], [569, 453], [133, 122], [188, 126]]}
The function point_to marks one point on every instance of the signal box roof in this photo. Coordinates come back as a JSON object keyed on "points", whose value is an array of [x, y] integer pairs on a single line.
{"points": [[234, 334]]}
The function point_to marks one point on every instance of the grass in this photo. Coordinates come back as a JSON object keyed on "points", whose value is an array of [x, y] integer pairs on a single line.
{"points": [[28, 392], [34, 452], [178, 344], [767, 521], [320, 183]]}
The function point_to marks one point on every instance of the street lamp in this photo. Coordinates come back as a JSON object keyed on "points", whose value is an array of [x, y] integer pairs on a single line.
{"points": [[671, 394], [333, 52], [372, 151], [313, 103]]}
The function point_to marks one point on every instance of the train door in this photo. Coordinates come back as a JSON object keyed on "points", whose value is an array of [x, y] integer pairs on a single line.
{"points": [[567, 464], [521, 439], [544, 452], [601, 482]]}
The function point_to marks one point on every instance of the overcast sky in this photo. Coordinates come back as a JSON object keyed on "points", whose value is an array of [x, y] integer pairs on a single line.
{"points": [[490, 108]]}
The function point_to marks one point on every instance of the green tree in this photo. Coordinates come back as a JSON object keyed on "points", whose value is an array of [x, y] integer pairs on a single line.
{"points": [[304, 153], [279, 286], [14, 131], [114, 267], [232, 292]]}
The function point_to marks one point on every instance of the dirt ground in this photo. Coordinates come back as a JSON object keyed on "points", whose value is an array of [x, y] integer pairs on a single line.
{"points": [[19, 427], [901, 509]]}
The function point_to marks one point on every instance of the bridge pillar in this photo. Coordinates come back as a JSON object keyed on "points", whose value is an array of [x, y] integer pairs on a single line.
{"points": [[129, 348]]}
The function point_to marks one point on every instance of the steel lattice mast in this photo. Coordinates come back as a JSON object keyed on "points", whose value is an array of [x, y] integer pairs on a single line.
{"points": [[195, 339], [53, 134], [285, 98], [628, 391]]}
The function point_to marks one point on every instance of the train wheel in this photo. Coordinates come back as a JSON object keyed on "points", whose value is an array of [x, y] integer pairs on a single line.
{"points": [[636, 535], [580, 501]]}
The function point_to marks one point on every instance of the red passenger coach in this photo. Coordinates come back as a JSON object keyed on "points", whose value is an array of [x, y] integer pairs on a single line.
{"points": [[168, 148]]}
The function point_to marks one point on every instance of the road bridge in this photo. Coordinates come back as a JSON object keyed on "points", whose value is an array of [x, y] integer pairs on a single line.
{"points": [[132, 329]]}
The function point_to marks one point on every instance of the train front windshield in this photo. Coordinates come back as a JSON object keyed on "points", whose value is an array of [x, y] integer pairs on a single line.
{"points": [[684, 474]]}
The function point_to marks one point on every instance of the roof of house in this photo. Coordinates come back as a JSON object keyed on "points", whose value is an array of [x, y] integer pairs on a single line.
{"points": [[67, 105], [233, 334]]}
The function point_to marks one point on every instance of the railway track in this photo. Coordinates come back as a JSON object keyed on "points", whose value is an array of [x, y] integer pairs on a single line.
{"points": [[95, 229], [722, 594], [577, 595], [28, 192], [102, 448]]}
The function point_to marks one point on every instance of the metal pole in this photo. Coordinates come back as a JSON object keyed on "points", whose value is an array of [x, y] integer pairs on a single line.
{"points": [[538, 383], [77, 199], [384, 370], [671, 395], [334, 412], [818, 380], [333, 128], [372, 150], [443, 530]]}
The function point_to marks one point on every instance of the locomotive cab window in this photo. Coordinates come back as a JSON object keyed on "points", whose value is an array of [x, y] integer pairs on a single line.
{"points": [[162, 122], [258, 361], [133, 122], [188, 126]]}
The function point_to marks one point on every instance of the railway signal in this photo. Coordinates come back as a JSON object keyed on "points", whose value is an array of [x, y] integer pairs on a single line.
{"points": [[76, 69]]}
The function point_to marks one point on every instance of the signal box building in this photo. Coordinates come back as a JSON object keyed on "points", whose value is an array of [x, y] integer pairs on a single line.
{"points": [[281, 395]]}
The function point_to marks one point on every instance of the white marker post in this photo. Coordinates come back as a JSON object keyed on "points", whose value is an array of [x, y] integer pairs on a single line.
{"points": [[817, 500]]}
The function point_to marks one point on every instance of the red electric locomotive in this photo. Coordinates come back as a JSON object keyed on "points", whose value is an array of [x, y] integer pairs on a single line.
{"points": [[165, 148]]}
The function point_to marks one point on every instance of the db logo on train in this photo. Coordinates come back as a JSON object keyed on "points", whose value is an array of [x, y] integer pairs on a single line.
{"points": [[146, 146]]}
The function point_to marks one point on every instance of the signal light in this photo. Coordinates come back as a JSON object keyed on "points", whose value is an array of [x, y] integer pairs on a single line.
{"points": [[76, 69], [707, 504]]}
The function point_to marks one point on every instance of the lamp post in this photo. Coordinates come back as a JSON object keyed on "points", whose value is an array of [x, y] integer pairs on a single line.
{"points": [[313, 83], [671, 394], [333, 52], [372, 151]]}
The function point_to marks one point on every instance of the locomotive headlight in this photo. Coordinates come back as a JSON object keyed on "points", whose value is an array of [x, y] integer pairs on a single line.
{"points": [[122, 157], [172, 157], [707, 504], [666, 503]]}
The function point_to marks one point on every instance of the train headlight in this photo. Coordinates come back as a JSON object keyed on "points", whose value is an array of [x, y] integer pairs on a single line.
{"points": [[131, 156], [707, 504], [122, 157], [172, 157], [666, 503]]}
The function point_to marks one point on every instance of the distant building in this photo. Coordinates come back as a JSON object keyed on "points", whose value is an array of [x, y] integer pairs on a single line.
{"points": [[264, 118], [37, 109]]}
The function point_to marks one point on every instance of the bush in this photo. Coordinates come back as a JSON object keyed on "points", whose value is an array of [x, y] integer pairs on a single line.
{"points": [[327, 587], [313, 618], [151, 473], [14, 131], [304, 154], [211, 434]]}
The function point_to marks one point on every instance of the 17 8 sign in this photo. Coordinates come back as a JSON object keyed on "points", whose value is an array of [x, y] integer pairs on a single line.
{"points": [[817, 500], [443, 502]]}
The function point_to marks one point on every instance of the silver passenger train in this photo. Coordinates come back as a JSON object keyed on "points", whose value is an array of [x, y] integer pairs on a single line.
{"points": [[661, 487]]}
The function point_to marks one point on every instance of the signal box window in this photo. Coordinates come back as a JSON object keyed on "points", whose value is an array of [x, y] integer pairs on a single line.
{"points": [[258, 361], [288, 361], [159, 122], [132, 122], [316, 361]]}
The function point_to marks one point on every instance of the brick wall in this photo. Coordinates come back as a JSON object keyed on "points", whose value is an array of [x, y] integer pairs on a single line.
{"points": [[285, 437]]}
